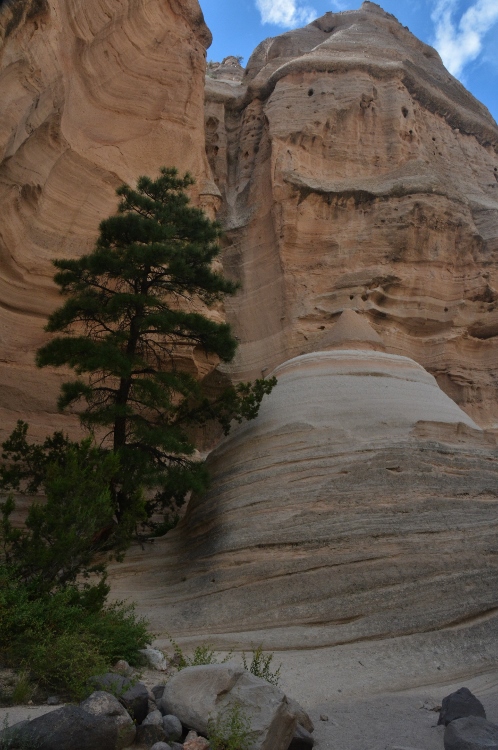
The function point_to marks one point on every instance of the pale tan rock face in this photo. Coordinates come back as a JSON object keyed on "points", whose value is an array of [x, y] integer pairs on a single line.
{"points": [[357, 173], [361, 503], [93, 93]]}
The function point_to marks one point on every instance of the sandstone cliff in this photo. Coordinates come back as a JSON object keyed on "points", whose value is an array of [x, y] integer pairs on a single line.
{"points": [[93, 93], [361, 503], [357, 173]]}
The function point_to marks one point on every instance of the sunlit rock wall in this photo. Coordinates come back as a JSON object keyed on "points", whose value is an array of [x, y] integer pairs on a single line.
{"points": [[358, 173], [92, 93]]}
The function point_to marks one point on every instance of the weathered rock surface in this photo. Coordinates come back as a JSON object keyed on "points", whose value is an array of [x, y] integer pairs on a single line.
{"points": [[155, 658], [104, 704], [194, 742], [471, 733], [154, 717], [356, 172], [197, 694], [149, 734], [93, 93], [136, 701], [360, 503]]}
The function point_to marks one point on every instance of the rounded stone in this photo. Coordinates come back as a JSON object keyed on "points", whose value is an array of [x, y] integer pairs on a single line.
{"points": [[172, 727]]}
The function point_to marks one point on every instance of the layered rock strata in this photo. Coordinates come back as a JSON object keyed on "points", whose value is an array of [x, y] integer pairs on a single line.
{"points": [[361, 503], [358, 173], [93, 93]]}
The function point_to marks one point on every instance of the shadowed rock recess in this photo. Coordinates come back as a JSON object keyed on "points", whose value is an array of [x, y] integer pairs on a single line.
{"points": [[358, 177]]}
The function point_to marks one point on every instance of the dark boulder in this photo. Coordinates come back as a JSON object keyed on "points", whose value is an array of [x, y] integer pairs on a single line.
{"points": [[471, 733], [150, 734], [459, 704], [67, 728], [136, 702], [173, 727], [158, 691]]}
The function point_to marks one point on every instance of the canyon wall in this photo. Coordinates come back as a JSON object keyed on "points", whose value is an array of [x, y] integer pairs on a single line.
{"points": [[358, 173], [359, 179], [352, 173], [94, 93], [362, 503]]}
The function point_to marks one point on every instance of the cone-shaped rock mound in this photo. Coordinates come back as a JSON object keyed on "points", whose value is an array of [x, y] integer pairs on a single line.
{"points": [[352, 332], [359, 504]]}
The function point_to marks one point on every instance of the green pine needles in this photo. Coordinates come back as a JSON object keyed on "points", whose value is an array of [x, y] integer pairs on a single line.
{"points": [[137, 308]]}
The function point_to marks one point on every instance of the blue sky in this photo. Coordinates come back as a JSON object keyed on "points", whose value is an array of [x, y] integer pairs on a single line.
{"points": [[465, 32]]}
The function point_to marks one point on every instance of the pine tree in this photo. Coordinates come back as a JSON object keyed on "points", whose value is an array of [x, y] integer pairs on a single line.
{"points": [[135, 306]]}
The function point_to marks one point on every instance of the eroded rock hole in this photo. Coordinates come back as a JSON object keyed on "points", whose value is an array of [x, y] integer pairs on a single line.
{"points": [[404, 111], [310, 92]]}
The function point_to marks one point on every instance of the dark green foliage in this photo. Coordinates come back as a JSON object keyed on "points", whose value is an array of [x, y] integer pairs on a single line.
{"points": [[53, 625], [74, 522], [135, 310], [66, 636]]}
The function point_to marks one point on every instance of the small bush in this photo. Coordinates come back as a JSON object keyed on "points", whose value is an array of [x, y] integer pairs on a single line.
{"points": [[230, 730], [23, 690], [66, 662], [16, 689], [203, 654], [260, 666], [65, 637]]}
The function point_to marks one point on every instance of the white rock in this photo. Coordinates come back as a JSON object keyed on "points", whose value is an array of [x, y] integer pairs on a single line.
{"points": [[155, 658], [197, 694]]}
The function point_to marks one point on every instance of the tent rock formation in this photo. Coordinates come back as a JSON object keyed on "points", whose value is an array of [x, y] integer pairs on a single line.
{"points": [[359, 504]]}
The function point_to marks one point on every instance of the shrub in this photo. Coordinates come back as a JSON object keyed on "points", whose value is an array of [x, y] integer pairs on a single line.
{"points": [[260, 666], [63, 534], [203, 654], [230, 730], [66, 636], [66, 661]]}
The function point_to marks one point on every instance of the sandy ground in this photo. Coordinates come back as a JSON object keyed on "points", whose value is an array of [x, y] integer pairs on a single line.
{"points": [[386, 695], [376, 695]]}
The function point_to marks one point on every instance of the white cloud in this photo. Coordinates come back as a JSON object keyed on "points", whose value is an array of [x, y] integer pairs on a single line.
{"points": [[286, 13], [460, 42]]}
